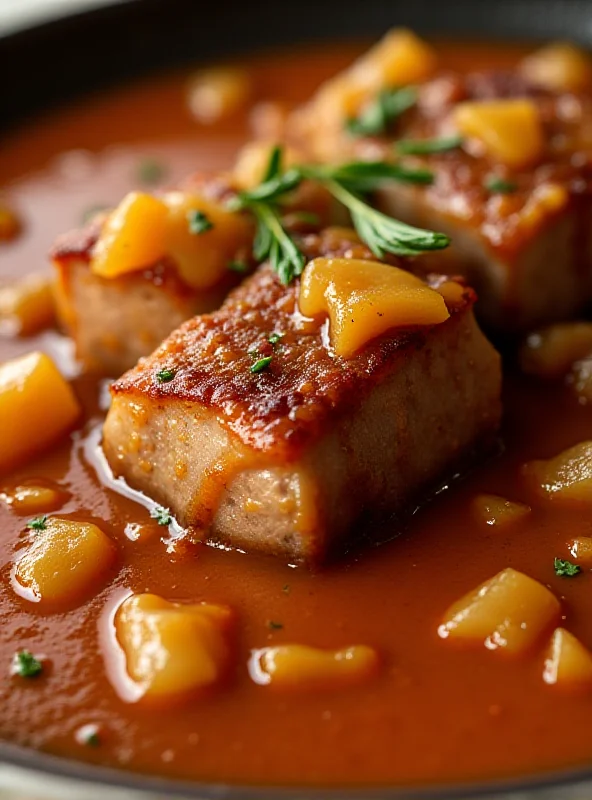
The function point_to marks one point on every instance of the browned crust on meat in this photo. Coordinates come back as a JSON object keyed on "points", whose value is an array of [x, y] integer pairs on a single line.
{"points": [[284, 408]]}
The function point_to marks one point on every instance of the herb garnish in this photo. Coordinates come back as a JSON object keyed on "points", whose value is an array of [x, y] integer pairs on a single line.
{"points": [[274, 626], [498, 185], [92, 739], [376, 118], [151, 171], [198, 222], [38, 524], [161, 515], [566, 569], [25, 665], [165, 375], [347, 183], [261, 364], [426, 147], [238, 266], [274, 338]]}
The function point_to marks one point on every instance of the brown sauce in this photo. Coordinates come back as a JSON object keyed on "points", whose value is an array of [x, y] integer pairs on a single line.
{"points": [[435, 713]]}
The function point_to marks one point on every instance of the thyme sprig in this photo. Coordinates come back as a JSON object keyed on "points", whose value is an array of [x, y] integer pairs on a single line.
{"points": [[347, 183]]}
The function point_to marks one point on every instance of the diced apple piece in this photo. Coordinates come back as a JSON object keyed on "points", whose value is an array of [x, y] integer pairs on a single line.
{"points": [[64, 563], [568, 662], [31, 499], [28, 306], [566, 478], [490, 509], [364, 299], [173, 650], [297, 666], [37, 406], [580, 549], [202, 258], [399, 59], [560, 67], [551, 352], [509, 612], [132, 237], [509, 131], [219, 92]]}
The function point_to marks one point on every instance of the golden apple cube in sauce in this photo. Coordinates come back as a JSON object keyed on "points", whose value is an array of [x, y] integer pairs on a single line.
{"points": [[568, 662], [490, 509], [297, 666], [64, 563], [581, 549], [510, 612], [37, 406], [173, 650], [565, 478]]}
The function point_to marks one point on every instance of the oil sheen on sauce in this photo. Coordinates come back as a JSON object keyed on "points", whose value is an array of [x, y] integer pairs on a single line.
{"points": [[435, 713]]}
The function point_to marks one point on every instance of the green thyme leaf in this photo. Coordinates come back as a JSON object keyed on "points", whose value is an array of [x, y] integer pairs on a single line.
{"points": [[261, 364], [38, 524], [161, 515], [165, 375], [565, 569], [274, 338], [198, 222], [497, 185], [151, 171], [26, 665], [376, 118], [424, 147]]}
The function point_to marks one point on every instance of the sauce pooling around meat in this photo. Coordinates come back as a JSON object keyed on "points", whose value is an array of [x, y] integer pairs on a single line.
{"points": [[412, 706]]}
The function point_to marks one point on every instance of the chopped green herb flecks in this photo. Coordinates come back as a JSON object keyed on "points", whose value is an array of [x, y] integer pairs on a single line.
{"points": [[151, 171], [38, 524], [376, 118], [26, 665], [165, 375], [274, 626], [497, 185], [347, 183], [161, 515], [238, 266], [198, 222], [566, 569], [261, 364], [274, 338], [426, 147], [88, 735]]}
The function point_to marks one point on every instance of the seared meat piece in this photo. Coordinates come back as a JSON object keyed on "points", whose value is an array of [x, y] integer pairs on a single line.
{"points": [[285, 460], [516, 194], [115, 319]]}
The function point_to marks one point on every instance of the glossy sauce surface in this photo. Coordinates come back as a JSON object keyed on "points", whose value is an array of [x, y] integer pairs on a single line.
{"points": [[436, 712]]}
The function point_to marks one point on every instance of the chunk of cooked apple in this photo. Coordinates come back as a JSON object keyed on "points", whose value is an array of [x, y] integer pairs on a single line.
{"points": [[509, 612], [37, 406], [490, 509], [568, 663], [300, 667], [64, 563], [565, 478], [173, 650]]}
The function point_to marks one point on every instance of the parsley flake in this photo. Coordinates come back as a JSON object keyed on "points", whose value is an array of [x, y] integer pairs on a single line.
{"points": [[566, 569], [238, 266], [38, 524], [161, 515], [198, 222], [165, 375], [151, 171], [497, 185], [26, 665], [274, 626], [261, 364], [426, 147], [274, 338]]}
